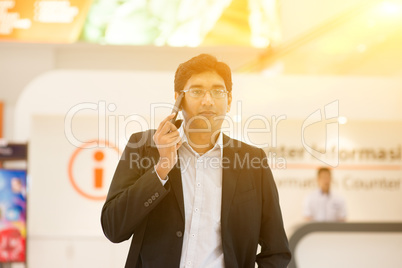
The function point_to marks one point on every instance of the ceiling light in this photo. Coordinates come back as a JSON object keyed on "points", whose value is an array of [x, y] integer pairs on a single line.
{"points": [[342, 120], [390, 7]]}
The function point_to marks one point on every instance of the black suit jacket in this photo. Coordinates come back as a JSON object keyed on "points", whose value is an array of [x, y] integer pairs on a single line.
{"points": [[138, 205]]}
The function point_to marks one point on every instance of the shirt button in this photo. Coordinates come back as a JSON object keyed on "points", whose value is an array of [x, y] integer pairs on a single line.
{"points": [[179, 234], [198, 184], [196, 210]]}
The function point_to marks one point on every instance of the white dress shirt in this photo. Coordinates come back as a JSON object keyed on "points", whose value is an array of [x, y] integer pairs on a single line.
{"points": [[325, 207], [202, 192]]}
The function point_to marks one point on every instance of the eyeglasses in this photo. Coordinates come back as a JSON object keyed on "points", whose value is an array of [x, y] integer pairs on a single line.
{"points": [[200, 92]]}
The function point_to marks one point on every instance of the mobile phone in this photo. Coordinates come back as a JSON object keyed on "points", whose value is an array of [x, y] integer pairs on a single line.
{"points": [[176, 107]]}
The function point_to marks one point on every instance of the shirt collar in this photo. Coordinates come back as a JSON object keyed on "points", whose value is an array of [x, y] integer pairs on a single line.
{"points": [[324, 194], [184, 139]]}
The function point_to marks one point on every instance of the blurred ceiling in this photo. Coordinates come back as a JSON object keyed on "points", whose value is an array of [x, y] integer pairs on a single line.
{"points": [[318, 37], [364, 39]]}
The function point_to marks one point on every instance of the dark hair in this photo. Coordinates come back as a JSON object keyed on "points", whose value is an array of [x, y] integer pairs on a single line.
{"points": [[199, 64], [323, 169]]}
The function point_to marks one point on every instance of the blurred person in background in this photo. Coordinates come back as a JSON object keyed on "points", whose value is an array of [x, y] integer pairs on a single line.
{"points": [[324, 205]]}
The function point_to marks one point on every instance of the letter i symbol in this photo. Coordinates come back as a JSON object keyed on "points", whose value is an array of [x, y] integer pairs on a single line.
{"points": [[98, 172]]}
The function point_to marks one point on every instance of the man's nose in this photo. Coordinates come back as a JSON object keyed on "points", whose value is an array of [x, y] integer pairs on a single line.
{"points": [[207, 99]]}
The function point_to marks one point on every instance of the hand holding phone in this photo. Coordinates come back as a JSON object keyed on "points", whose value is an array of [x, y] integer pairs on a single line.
{"points": [[168, 141]]}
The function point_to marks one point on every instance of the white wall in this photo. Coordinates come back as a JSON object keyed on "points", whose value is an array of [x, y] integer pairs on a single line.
{"points": [[18, 66]]}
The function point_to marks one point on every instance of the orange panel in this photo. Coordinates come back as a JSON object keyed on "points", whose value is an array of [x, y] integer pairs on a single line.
{"points": [[42, 21]]}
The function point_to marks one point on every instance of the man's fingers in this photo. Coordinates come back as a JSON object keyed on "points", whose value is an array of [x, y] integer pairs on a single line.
{"points": [[167, 134], [170, 138], [165, 120], [167, 128], [173, 136]]}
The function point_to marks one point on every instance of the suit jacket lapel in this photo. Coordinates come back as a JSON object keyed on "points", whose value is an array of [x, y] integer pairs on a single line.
{"points": [[175, 182], [230, 175]]}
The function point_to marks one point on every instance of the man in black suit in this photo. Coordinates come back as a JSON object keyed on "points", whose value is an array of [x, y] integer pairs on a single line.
{"points": [[189, 195]]}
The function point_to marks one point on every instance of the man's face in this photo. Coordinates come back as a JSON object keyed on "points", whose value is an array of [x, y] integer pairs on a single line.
{"points": [[205, 114], [324, 181]]}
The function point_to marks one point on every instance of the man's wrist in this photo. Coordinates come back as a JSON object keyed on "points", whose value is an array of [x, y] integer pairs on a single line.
{"points": [[161, 171]]}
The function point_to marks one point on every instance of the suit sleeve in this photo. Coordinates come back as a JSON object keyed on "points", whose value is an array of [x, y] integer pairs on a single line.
{"points": [[134, 191], [275, 251]]}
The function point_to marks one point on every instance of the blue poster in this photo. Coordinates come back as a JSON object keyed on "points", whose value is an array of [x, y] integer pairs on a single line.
{"points": [[12, 215]]}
